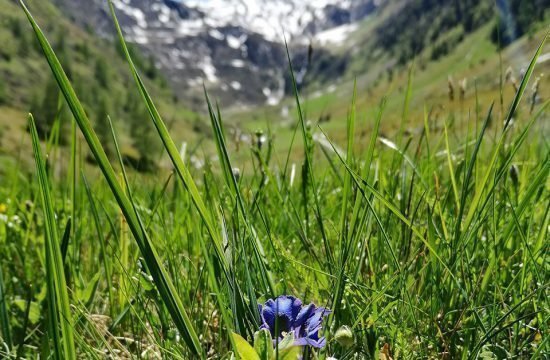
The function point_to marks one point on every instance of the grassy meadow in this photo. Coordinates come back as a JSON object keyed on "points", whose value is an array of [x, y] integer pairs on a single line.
{"points": [[425, 234]]}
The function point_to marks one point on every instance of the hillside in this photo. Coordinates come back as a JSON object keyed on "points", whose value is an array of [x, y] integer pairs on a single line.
{"points": [[101, 78], [452, 45], [236, 47], [468, 64]]}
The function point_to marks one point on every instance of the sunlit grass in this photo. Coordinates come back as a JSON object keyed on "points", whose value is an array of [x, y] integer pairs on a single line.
{"points": [[432, 244]]}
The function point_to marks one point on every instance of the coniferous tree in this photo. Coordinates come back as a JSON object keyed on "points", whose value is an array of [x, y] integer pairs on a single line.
{"points": [[102, 126], [102, 72], [145, 139], [46, 111], [3, 93]]}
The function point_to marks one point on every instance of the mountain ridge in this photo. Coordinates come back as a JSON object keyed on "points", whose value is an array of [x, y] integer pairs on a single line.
{"points": [[192, 43]]}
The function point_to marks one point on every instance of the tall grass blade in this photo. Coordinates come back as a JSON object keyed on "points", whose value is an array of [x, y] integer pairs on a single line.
{"points": [[100, 238], [5, 329], [259, 253], [523, 84], [65, 240], [345, 234], [182, 171], [60, 318], [173, 153], [468, 177], [496, 151], [159, 274], [306, 136], [392, 208]]}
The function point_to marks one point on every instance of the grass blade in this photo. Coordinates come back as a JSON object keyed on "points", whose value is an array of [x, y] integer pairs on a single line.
{"points": [[467, 179], [523, 83], [160, 276], [309, 167], [60, 318], [4, 319], [65, 240], [107, 268], [173, 152], [259, 253], [513, 108]]}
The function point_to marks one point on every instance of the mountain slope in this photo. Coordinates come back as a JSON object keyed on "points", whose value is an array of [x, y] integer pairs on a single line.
{"points": [[98, 72], [236, 47], [444, 90], [235, 51]]}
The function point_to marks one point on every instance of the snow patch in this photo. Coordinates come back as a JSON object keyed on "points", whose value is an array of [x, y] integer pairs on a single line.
{"points": [[236, 42], [235, 85], [190, 27], [133, 12], [335, 35], [209, 70], [163, 12], [216, 34], [195, 82], [238, 63], [266, 17], [139, 35]]}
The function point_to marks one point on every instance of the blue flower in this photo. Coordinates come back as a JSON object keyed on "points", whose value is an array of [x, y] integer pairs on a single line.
{"points": [[286, 315]]}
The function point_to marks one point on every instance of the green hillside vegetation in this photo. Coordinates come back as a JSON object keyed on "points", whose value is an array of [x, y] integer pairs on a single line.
{"points": [[470, 63], [458, 42], [98, 70]]}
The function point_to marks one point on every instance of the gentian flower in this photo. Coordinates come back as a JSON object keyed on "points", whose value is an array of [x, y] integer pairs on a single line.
{"points": [[286, 315]]}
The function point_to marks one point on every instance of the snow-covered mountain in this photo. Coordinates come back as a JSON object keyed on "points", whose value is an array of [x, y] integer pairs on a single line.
{"points": [[273, 18], [235, 47]]}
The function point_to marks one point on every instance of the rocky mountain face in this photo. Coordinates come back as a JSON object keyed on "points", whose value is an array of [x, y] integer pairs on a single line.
{"points": [[235, 47]]}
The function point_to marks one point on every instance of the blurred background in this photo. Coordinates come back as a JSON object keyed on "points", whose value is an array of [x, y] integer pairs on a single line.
{"points": [[454, 53]]}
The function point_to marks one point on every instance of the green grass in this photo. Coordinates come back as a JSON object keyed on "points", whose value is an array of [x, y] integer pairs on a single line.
{"points": [[433, 242]]}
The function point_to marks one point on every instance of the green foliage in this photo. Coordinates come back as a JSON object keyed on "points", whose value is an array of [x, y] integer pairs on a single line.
{"points": [[3, 93], [48, 110], [5, 329], [60, 323], [9, 47], [102, 72], [143, 132], [148, 251], [446, 44], [151, 71], [244, 349], [424, 246], [92, 63], [421, 23], [263, 347], [103, 128]]}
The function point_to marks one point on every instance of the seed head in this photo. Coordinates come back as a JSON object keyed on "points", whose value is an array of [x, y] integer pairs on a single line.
{"points": [[514, 175], [344, 336]]}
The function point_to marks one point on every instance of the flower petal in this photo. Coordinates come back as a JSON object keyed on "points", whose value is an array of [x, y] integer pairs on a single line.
{"points": [[301, 342], [287, 314], [304, 314], [268, 315], [315, 320], [317, 343], [288, 306]]}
